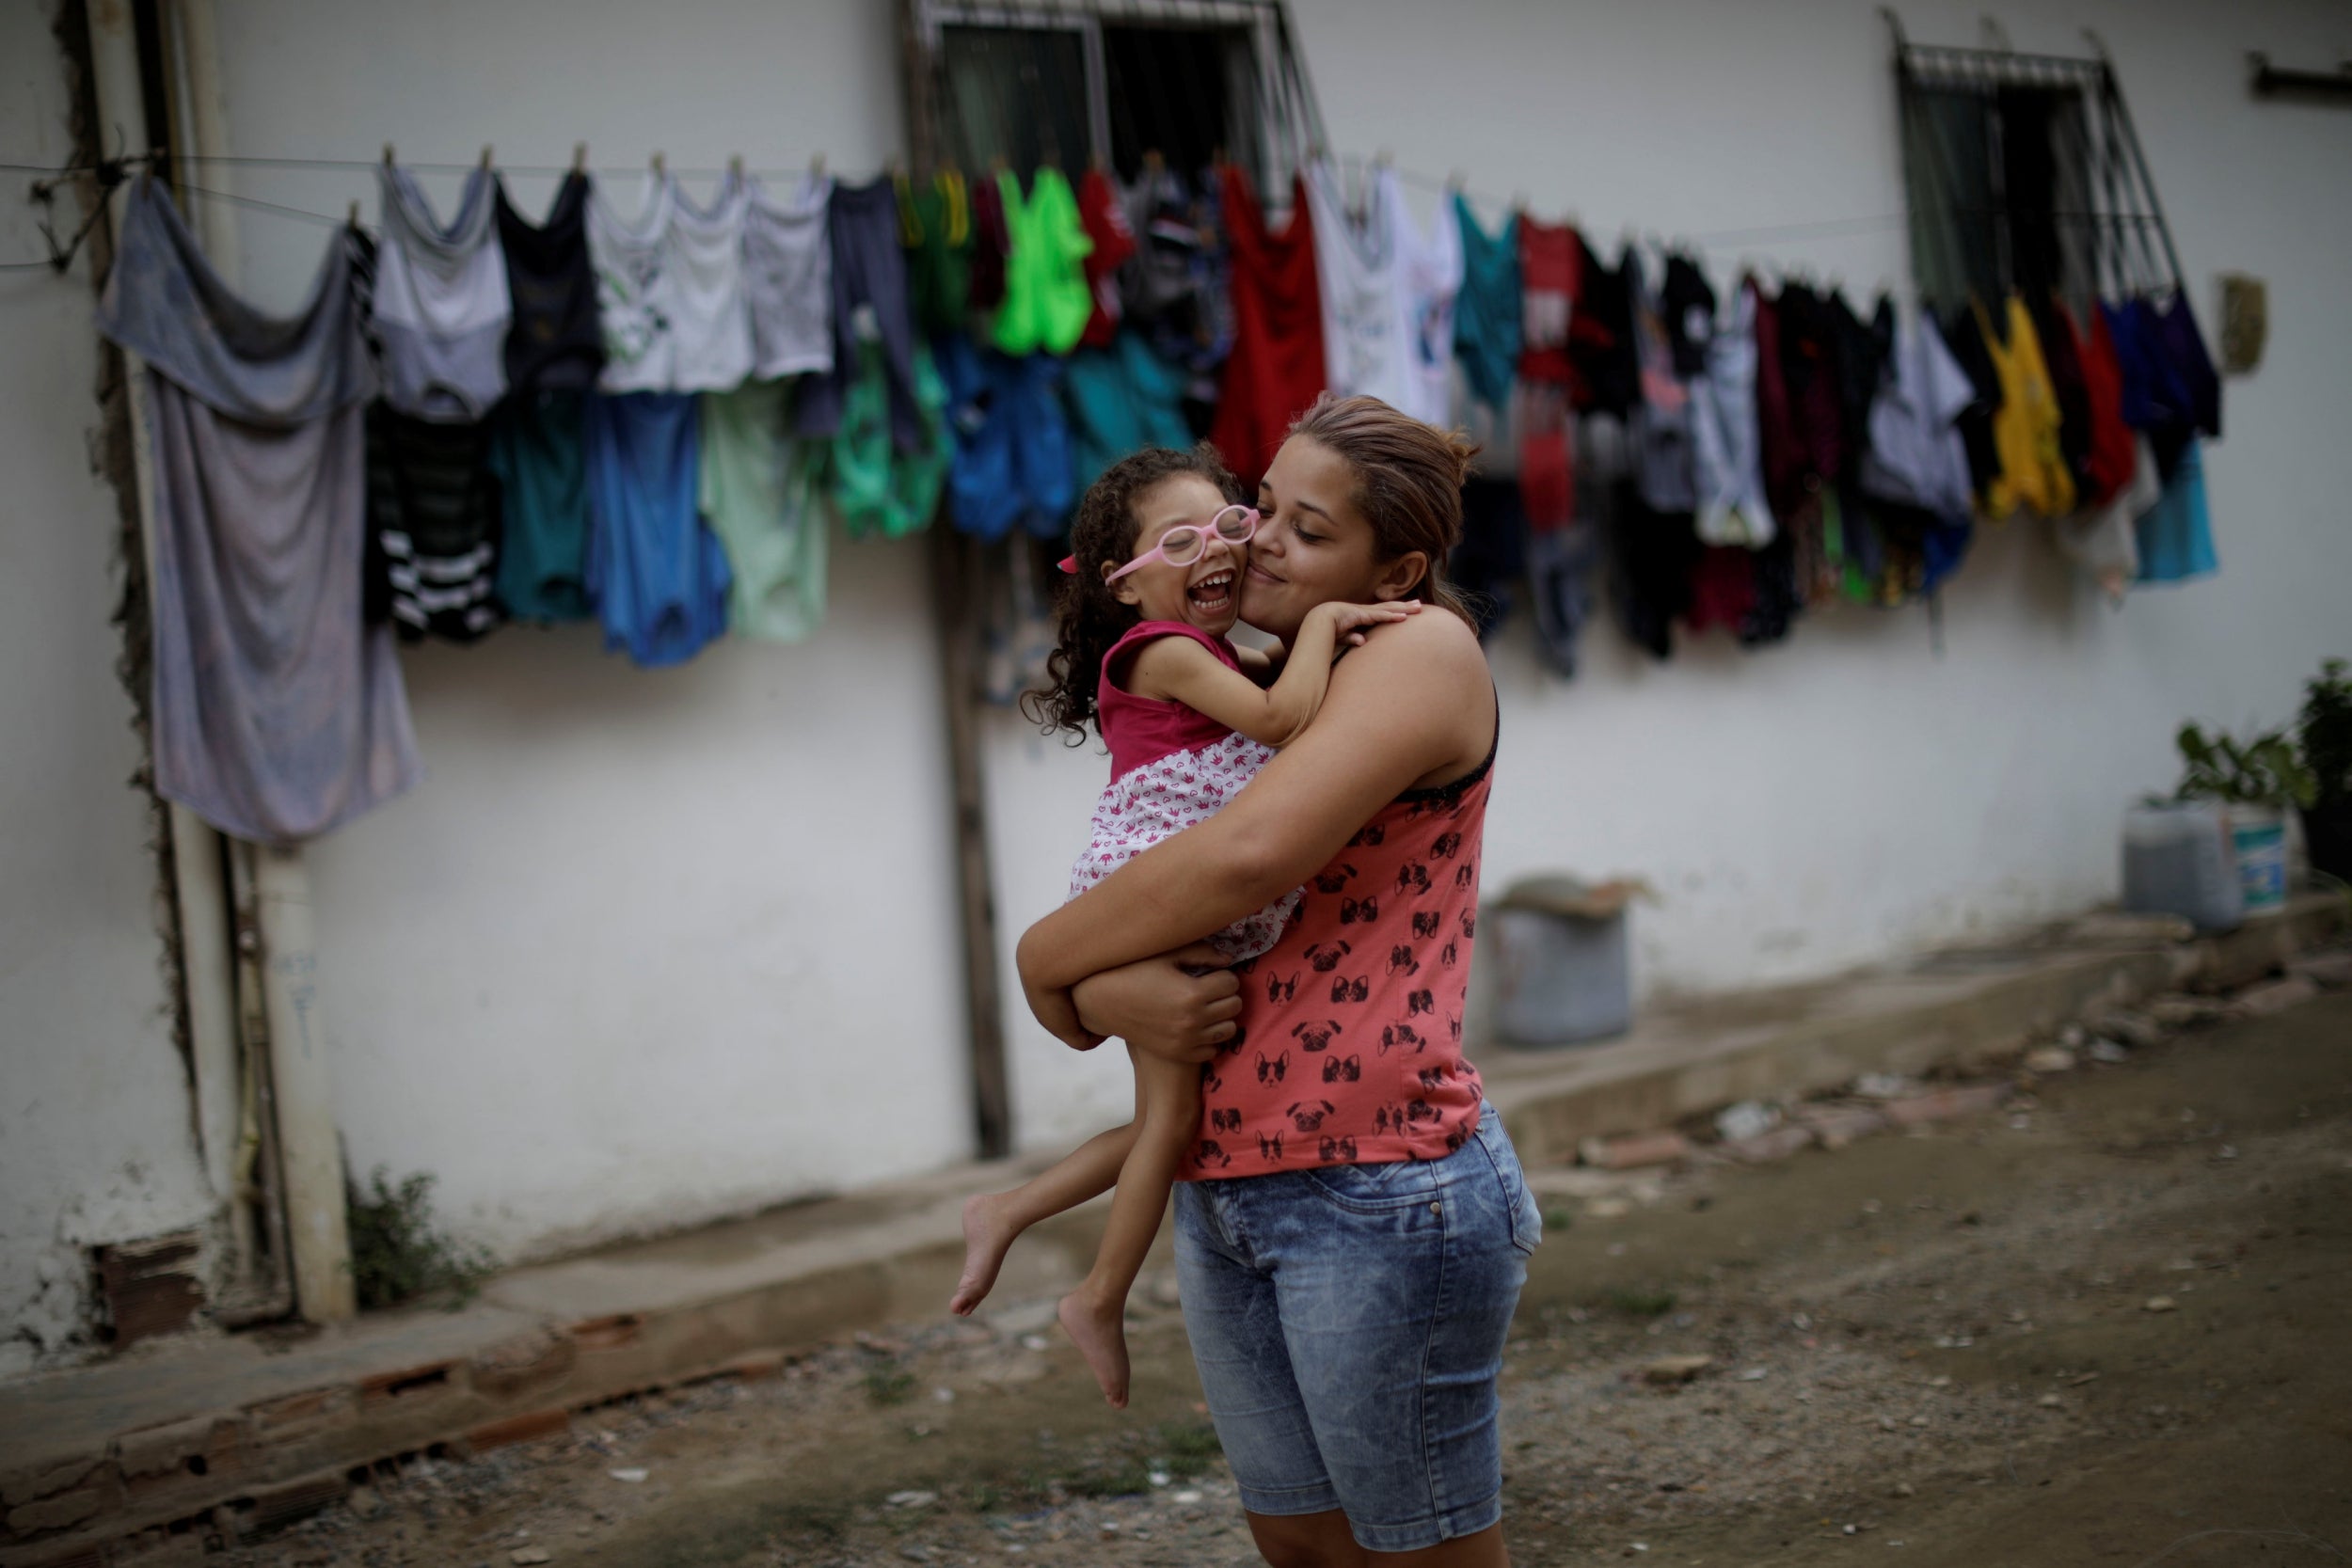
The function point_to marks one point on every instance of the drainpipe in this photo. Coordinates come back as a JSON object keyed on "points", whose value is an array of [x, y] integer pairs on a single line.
{"points": [[310, 1149]]}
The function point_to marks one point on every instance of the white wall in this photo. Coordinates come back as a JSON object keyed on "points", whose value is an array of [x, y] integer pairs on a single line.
{"points": [[650, 947], [96, 1140]]}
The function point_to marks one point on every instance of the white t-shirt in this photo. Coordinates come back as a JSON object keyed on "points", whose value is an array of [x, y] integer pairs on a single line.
{"points": [[1432, 267], [710, 309], [670, 291], [441, 303], [633, 289], [1364, 348], [787, 273]]}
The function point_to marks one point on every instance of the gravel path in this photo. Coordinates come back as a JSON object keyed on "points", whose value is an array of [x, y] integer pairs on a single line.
{"points": [[2104, 1323]]}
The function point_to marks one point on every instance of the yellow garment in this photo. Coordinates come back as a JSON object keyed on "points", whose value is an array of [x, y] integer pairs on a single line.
{"points": [[2033, 472]]}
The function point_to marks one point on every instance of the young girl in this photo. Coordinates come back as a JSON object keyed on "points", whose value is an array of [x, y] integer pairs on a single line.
{"points": [[1156, 558]]}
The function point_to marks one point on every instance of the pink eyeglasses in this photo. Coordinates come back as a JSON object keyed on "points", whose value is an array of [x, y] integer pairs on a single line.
{"points": [[1186, 542]]}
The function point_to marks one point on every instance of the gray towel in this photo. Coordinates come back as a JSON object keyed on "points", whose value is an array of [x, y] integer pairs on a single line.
{"points": [[278, 715]]}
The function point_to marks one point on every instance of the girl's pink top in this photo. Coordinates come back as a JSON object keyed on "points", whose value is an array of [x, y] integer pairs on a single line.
{"points": [[1141, 730]]}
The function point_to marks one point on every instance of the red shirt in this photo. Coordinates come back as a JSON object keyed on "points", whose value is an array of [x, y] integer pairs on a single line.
{"points": [[1550, 260], [1106, 222], [1275, 372], [1350, 1051]]}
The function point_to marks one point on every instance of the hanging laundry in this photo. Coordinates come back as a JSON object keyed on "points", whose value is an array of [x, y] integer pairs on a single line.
{"points": [[2104, 538], [878, 487], [758, 489], [1606, 370], [538, 453], [2175, 536], [554, 342], [670, 290], [2067, 386], [788, 279], [1121, 399], [2025, 429], [1796, 513], [1549, 254], [1781, 450], [1915, 456], [2107, 464], [1011, 467], [1175, 289], [1808, 362], [1491, 559], [935, 227], [1545, 455], [1727, 459], [433, 524], [657, 575], [1687, 303], [1046, 299], [1652, 557], [709, 307], [276, 713], [1963, 334], [992, 245], [1358, 280], [2184, 346], [441, 301], [1661, 426], [1430, 263], [1276, 367], [1104, 217], [1561, 563], [1486, 321], [869, 287], [634, 289]]}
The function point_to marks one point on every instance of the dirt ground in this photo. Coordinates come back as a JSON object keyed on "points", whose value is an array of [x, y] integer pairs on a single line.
{"points": [[2108, 1323]]}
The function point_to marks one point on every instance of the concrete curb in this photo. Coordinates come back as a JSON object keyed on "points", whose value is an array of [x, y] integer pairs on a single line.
{"points": [[141, 1460]]}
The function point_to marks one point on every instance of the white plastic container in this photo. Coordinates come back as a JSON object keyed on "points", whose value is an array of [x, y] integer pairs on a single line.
{"points": [[2179, 858]]}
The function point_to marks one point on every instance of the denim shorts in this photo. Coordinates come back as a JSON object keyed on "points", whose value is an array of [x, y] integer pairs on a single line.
{"points": [[1349, 1324]]}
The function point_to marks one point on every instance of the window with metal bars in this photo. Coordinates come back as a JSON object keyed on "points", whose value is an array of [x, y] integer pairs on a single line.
{"points": [[2023, 172]]}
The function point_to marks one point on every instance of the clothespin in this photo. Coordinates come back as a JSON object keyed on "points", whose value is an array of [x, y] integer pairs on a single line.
{"points": [[579, 157], [1457, 181], [354, 220], [735, 165], [485, 157], [387, 154], [660, 166], [816, 166]]}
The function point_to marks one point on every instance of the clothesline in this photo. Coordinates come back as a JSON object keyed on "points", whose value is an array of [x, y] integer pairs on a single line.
{"points": [[1760, 234]]}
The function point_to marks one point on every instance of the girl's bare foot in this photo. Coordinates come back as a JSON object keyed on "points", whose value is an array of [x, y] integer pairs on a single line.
{"points": [[987, 1237], [1101, 1336]]}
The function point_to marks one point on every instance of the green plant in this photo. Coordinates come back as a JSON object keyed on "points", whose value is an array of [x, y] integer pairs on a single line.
{"points": [[2260, 771], [2325, 731], [399, 1253]]}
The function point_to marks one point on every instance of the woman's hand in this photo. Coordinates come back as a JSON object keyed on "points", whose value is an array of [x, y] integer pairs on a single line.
{"points": [[1181, 1006], [1350, 622]]}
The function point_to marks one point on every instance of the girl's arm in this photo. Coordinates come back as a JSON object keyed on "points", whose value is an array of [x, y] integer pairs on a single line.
{"points": [[1177, 669], [1414, 706]]}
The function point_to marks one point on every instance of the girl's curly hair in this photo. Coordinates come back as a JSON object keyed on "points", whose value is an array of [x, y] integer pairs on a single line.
{"points": [[1087, 617]]}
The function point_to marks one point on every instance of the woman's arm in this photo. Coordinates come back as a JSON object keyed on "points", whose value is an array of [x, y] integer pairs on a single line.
{"points": [[1177, 669], [1414, 705]]}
